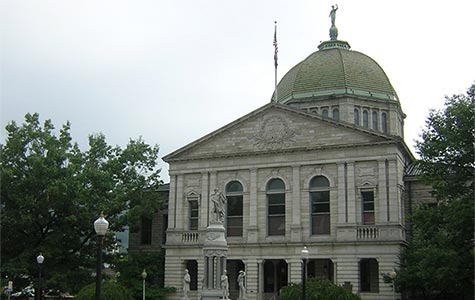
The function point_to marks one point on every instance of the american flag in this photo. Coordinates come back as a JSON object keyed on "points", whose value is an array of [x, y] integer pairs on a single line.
{"points": [[276, 48]]}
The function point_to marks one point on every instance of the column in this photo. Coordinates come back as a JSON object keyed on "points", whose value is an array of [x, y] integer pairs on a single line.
{"points": [[353, 211], [296, 226], [381, 207], [180, 211], [253, 279], [342, 196], [204, 209], [172, 203], [252, 227], [393, 191], [295, 269]]}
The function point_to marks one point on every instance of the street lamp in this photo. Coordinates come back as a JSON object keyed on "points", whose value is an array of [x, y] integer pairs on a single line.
{"points": [[39, 259], [393, 275], [100, 226], [144, 276], [304, 254]]}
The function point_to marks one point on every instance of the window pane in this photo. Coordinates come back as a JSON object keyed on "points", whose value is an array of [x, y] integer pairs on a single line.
{"points": [[319, 181], [375, 120], [336, 114], [234, 206], [234, 187], [368, 218], [384, 124], [357, 117], [275, 199], [321, 224], [276, 210], [365, 118], [320, 196], [234, 226], [320, 208], [276, 184], [368, 206], [276, 225]]}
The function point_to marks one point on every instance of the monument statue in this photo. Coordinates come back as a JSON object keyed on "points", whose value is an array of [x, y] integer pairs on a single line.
{"points": [[225, 285], [242, 285], [218, 210], [333, 14], [186, 285]]}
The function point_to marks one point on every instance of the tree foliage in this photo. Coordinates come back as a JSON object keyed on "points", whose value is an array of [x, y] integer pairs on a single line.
{"points": [[110, 291], [52, 192], [130, 268], [438, 263], [316, 289]]}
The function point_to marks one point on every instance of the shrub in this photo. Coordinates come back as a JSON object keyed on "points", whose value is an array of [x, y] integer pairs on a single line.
{"points": [[110, 291], [317, 289]]}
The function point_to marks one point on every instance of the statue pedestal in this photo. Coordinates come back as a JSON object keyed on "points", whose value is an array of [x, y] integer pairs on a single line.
{"points": [[215, 250]]}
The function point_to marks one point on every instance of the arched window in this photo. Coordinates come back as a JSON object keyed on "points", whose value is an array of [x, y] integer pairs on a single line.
{"points": [[320, 201], [325, 113], [365, 119], [357, 117], [384, 122], [234, 194], [336, 114], [275, 207], [375, 120]]}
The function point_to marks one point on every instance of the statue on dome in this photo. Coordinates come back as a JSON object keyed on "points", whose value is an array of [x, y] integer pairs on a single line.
{"points": [[333, 14]]}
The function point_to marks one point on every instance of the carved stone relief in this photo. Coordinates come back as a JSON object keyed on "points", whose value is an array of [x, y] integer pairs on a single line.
{"points": [[273, 134]]}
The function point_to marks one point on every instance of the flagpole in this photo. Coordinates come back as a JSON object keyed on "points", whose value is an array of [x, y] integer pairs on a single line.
{"points": [[276, 50]]}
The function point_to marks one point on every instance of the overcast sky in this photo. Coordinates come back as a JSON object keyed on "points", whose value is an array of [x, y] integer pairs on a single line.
{"points": [[173, 71]]}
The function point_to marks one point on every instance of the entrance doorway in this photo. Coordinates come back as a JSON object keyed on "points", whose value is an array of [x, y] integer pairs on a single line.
{"points": [[275, 276]]}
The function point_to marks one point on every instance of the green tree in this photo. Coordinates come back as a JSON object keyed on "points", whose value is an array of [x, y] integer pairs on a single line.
{"points": [[52, 192], [316, 289], [130, 267], [110, 291], [438, 262]]}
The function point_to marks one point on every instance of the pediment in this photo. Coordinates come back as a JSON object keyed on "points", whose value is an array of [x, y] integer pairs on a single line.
{"points": [[275, 128]]}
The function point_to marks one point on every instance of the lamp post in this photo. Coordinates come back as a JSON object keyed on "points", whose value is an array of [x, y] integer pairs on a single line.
{"points": [[144, 276], [393, 275], [100, 226], [39, 259], [304, 254]]}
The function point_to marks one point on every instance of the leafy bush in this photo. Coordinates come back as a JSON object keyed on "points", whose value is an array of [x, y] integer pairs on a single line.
{"points": [[317, 289], [110, 291]]}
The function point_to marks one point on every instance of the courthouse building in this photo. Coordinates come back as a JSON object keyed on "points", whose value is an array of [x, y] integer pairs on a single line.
{"points": [[323, 165]]}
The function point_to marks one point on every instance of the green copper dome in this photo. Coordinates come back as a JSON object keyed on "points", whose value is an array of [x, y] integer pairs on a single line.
{"points": [[335, 70]]}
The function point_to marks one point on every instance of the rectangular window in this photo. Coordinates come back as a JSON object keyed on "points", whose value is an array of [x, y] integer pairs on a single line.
{"points": [[367, 201], [146, 231], [276, 214], [320, 212], [194, 212], [234, 217]]}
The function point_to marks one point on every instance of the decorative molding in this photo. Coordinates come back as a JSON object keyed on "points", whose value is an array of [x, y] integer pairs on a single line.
{"points": [[273, 134]]}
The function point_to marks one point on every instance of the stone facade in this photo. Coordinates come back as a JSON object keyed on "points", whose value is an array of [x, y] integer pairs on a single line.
{"points": [[293, 145], [324, 165]]}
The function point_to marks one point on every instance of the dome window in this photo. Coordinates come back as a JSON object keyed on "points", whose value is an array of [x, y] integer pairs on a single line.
{"points": [[375, 120], [336, 114], [357, 117], [365, 119], [384, 122]]}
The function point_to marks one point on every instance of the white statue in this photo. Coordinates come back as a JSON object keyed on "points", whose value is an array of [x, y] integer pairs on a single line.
{"points": [[218, 209], [242, 285], [186, 285], [225, 285]]}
